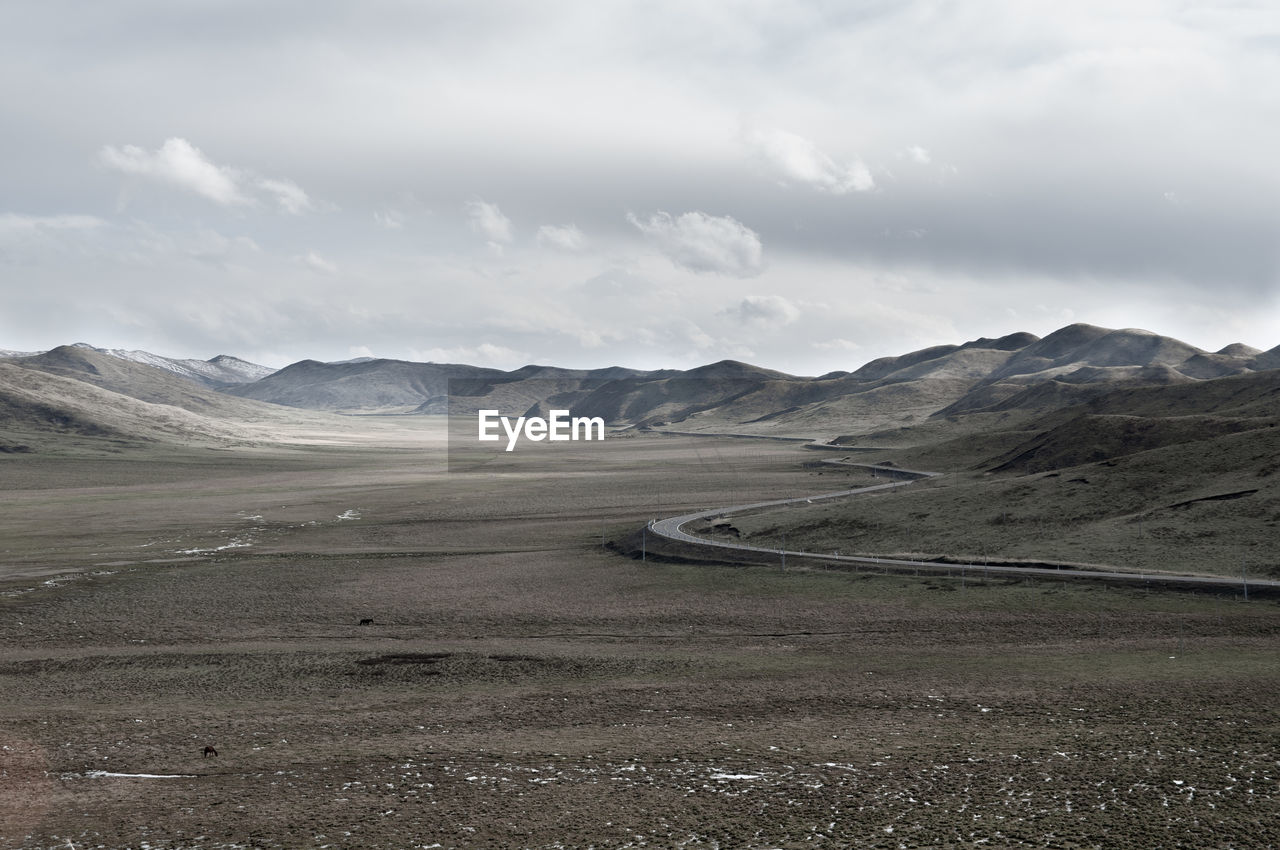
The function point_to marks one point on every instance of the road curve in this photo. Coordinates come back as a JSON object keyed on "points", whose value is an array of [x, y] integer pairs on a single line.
{"points": [[672, 528]]}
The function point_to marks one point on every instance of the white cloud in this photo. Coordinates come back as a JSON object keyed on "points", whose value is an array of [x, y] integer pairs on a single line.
{"points": [[179, 163], [764, 310], [317, 263], [16, 223], [590, 339], [839, 345], [705, 243], [357, 351], [1064, 114], [211, 246], [484, 354], [488, 221], [389, 219], [919, 154], [797, 159], [43, 238], [566, 237], [289, 195]]}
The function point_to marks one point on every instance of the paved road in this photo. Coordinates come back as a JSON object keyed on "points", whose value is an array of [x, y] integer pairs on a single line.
{"points": [[672, 528]]}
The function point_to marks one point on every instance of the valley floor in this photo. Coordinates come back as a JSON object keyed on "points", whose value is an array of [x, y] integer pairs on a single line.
{"points": [[522, 685]]}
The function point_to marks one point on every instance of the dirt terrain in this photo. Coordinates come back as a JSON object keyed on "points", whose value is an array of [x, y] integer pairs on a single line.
{"points": [[522, 684]]}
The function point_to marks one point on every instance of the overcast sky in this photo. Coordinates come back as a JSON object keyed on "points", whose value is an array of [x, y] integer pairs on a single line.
{"points": [[805, 186]]}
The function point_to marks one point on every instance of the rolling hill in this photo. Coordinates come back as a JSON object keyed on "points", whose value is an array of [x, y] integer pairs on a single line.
{"points": [[1019, 380], [141, 381], [217, 371], [401, 386], [74, 394], [41, 409]]}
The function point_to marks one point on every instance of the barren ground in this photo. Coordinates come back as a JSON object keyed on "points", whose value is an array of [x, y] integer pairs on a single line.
{"points": [[523, 686]]}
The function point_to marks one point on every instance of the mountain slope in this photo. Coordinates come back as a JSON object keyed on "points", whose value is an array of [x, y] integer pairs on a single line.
{"points": [[370, 386], [1018, 375], [1018, 372], [137, 380], [40, 409], [216, 371]]}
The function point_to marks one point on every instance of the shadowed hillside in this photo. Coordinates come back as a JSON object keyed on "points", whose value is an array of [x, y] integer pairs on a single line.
{"points": [[1176, 476]]}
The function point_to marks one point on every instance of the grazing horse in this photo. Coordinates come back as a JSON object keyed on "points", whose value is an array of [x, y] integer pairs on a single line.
{"points": [[367, 621], [209, 751]]}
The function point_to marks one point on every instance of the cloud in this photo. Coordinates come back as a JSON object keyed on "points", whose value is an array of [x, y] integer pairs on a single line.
{"points": [[567, 237], [210, 246], [797, 159], [839, 345], [705, 243], [16, 223], [43, 238], [918, 154], [317, 263], [389, 219], [484, 354], [763, 310], [181, 164], [288, 195], [487, 220], [1047, 137]]}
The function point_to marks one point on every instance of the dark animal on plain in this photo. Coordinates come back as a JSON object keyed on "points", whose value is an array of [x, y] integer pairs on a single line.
{"points": [[367, 621], [209, 751]]}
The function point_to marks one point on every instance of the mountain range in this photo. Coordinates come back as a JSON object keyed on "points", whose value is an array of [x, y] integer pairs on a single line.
{"points": [[217, 371], [1011, 379]]}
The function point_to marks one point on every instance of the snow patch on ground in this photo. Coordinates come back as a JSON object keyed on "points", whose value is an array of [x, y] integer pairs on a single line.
{"points": [[106, 774]]}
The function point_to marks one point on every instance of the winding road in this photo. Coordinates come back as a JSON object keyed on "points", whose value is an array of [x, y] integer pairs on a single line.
{"points": [[672, 528]]}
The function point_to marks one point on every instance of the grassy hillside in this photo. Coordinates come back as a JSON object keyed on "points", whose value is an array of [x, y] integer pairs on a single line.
{"points": [[1181, 477]]}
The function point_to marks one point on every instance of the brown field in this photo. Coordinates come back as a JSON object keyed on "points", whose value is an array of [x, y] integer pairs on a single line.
{"points": [[524, 685]]}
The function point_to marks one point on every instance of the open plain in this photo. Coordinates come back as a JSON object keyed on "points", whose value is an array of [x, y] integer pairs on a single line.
{"points": [[529, 680]]}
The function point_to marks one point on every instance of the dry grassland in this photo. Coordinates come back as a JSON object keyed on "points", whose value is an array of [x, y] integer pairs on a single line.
{"points": [[521, 685]]}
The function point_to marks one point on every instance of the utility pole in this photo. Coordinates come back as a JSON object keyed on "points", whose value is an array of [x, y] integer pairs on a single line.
{"points": [[1244, 578], [784, 550]]}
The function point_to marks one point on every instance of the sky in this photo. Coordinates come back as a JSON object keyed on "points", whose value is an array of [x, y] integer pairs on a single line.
{"points": [[802, 185]]}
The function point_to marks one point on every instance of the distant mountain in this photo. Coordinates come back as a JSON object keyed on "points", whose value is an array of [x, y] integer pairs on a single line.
{"points": [[674, 396], [530, 390], [1014, 372], [141, 381], [42, 410], [1116, 421], [1079, 361], [401, 386], [367, 386], [886, 366], [1018, 377], [216, 371]]}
